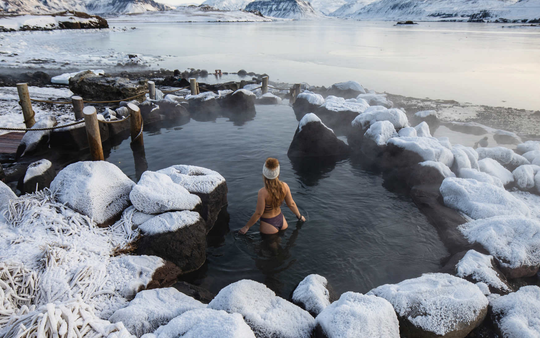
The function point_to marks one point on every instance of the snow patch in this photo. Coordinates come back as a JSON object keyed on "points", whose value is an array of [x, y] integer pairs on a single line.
{"points": [[381, 132], [495, 169], [310, 118], [194, 179], [312, 293], [169, 222], [480, 268], [519, 312], [428, 148]]}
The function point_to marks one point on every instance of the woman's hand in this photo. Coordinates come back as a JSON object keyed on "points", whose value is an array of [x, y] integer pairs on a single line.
{"points": [[302, 219], [243, 231]]}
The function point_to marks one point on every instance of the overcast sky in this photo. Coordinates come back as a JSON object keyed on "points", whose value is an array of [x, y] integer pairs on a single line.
{"points": [[180, 2]]}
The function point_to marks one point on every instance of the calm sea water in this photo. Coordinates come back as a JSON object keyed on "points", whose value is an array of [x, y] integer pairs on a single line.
{"points": [[358, 234]]}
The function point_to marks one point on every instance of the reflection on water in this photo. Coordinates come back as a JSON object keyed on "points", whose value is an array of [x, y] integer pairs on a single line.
{"points": [[358, 234]]}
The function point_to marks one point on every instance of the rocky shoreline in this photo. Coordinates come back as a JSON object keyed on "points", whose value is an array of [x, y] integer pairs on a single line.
{"points": [[483, 201]]}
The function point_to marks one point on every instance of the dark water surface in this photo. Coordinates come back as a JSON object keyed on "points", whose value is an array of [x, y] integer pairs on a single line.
{"points": [[358, 234]]}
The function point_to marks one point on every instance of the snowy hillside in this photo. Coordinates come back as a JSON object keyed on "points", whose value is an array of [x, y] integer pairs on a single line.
{"points": [[286, 9], [326, 7], [103, 7], [524, 9], [190, 14], [228, 4], [350, 8]]}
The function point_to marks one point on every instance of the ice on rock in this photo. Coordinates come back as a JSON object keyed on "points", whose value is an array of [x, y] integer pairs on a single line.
{"points": [[495, 169], [502, 155], [128, 274], [480, 268], [203, 96], [169, 222], [206, 322], [312, 294], [528, 146], [407, 132], [464, 157], [428, 148], [369, 117], [441, 167], [513, 240], [310, 118], [312, 98], [156, 193], [426, 113], [422, 130], [518, 313], [480, 200], [97, 189], [445, 142], [532, 156], [524, 176], [349, 85], [380, 132], [358, 315], [194, 179], [436, 302], [374, 99], [337, 104], [36, 169], [152, 308], [266, 314], [480, 177]]}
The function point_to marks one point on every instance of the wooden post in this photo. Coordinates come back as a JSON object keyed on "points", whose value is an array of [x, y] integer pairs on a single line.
{"points": [[193, 86], [295, 90], [78, 106], [92, 131], [136, 123], [152, 89], [26, 104], [264, 87]]}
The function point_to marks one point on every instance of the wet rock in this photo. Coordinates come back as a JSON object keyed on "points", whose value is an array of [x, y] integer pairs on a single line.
{"points": [[313, 139], [203, 107], [347, 90], [408, 151], [209, 185], [266, 314], [177, 236], [150, 112], [428, 173], [435, 305], [164, 276], [152, 308], [174, 81], [97, 189], [172, 110], [242, 72], [202, 295], [39, 175], [313, 294], [358, 315], [75, 138], [306, 102], [95, 87], [241, 101]]}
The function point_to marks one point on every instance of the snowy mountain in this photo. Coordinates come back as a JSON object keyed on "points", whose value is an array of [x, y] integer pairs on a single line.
{"points": [[103, 7], [229, 5], [350, 8], [326, 7], [524, 9], [289, 9]]}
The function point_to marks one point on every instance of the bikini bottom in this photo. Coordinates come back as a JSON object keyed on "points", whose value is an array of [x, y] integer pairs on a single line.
{"points": [[276, 222]]}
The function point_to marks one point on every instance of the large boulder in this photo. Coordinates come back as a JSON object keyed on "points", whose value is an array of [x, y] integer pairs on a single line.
{"points": [[377, 136], [377, 113], [150, 112], [152, 308], [241, 101], [313, 139], [435, 305], [464, 158], [348, 90], [312, 294], [204, 106], [268, 99], [524, 176], [267, 314], [479, 199], [38, 175], [512, 240], [177, 236], [209, 185], [518, 314], [98, 189], [205, 323], [504, 156], [338, 113], [306, 102], [358, 315], [156, 193], [171, 110], [100, 88], [408, 151], [480, 268]]}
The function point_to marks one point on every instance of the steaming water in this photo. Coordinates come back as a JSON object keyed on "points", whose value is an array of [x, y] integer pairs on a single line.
{"points": [[358, 234]]}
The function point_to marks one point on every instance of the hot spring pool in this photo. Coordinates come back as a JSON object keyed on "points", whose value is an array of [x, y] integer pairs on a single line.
{"points": [[358, 234]]}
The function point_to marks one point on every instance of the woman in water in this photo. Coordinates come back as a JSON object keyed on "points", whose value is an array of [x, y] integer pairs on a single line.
{"points": [[269, 202]]}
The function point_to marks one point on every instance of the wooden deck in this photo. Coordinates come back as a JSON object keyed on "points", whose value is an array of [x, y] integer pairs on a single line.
{"points": [[9, 142]]}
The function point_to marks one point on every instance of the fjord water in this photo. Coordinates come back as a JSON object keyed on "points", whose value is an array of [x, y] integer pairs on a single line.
{"points": [[359, 234], [491, 64]]}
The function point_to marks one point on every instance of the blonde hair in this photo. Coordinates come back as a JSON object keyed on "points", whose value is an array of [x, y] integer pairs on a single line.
{"points": [[275, 188]]}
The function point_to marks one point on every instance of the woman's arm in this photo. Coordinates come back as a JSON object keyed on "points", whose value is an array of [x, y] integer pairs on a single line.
{"points": [[259, 210], [290, 203]]}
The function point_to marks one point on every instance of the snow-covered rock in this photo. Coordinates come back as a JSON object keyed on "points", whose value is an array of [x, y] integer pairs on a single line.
{"points": [[287, 9], [348, 90], [518, 314], [32, 139], [156, 193], [38, 175], [513, 240], [426, 114], [374, 99], [152, 308], [480, 177], [441, 167], [480, 200], [495, 169], [477, 267], [436, 303], [533, 156], [129, 274], [338, 113], [407, 132], [464, 158], [205, 323], [339, 104], [268, 98], [306, 102], [427, 148], [380, 133], [6, 195], [422, 130], [312, 294], [266, 314], [358, 315], [313, 139], [528, 146], [394, 115], [504, 156], [64, 78], [506, 137], [524, 176], [97, 189]]}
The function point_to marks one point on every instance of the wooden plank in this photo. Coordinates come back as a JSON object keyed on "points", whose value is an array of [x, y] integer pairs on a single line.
{"points": [[10, 142]]}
